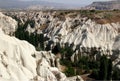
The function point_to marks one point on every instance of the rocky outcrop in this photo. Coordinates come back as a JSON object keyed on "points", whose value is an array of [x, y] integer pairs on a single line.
{"points": [[68, 28], [83, 34], [77, 31], [75, 78], [105, 5], [19, 61], [7, 24]]}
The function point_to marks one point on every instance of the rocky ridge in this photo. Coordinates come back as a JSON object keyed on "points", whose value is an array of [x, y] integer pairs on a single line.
{"points": [[19, 61], [6, 27], [81, 33], [105, 5]]}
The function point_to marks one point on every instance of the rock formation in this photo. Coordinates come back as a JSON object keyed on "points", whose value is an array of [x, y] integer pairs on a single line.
{"points": [[19, 61], [7, 24], [105, 5], [82, 33]]}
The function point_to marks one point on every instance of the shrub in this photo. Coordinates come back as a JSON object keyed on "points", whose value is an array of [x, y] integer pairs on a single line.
{"points": [[70, 71], [103, 68], [94, 74], [116, 74]]}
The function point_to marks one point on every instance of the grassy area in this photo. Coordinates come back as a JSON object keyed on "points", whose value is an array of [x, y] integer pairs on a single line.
{"points": [[99, 16]]}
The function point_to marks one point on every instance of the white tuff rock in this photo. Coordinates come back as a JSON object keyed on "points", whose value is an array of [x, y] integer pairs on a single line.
{"points": [[19, 61], [7, 24], [81, 33]]}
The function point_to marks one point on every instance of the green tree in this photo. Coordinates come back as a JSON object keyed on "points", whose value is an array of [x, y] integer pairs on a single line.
{"points": [[103, 68], [70, 71], [56, 49], [116, 74], [109, 72], [41, 41], [32, 39]]}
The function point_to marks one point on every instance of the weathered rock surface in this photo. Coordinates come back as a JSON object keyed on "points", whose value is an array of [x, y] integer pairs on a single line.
{"points": [[76, 31], [105, 5], [79, 33], [7, 24], [75, 78], [19, 61]]}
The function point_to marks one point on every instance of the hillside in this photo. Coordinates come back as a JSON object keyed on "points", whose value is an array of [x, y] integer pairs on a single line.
{"points": [[76, 29], [105, 5], [78, 39], [19, 61]]}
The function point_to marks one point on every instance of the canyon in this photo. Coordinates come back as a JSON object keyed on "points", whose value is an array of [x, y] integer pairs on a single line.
{"points": [[19, 61], [87, 33]]}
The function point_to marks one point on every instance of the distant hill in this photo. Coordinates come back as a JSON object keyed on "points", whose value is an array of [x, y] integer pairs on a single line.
{"points": [[38, 5], [16, 4], [105, 5]]}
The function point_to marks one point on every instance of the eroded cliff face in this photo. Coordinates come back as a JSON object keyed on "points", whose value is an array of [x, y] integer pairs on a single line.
{"points": [[84, 33], [108, 5], [7, 24], [74, 29], [19, 61]]}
